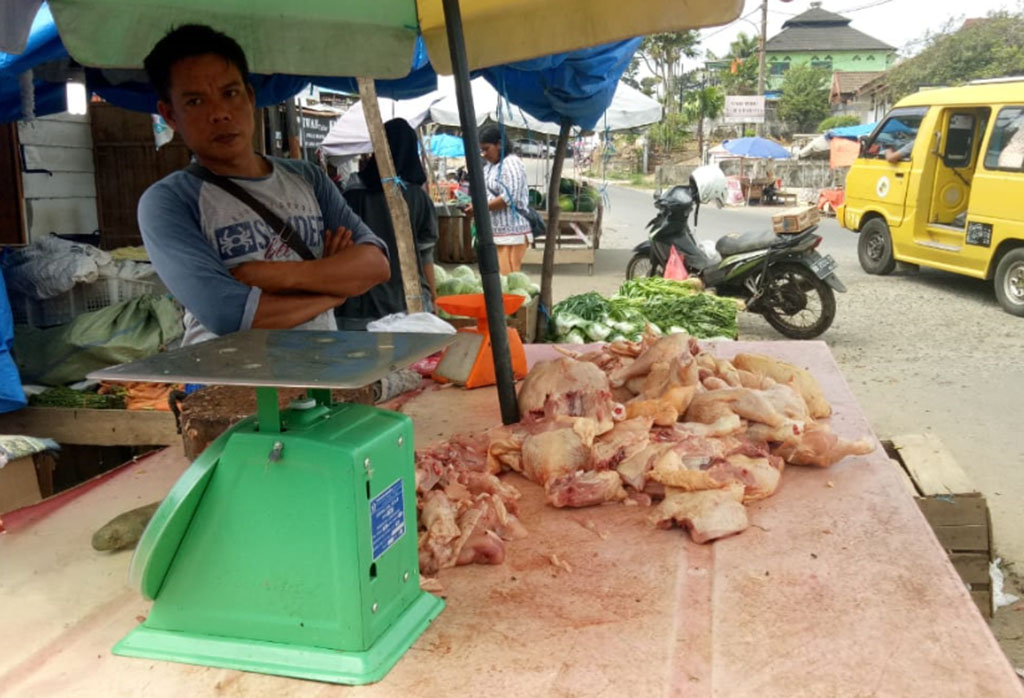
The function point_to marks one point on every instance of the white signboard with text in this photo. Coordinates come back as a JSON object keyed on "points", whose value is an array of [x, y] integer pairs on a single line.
{"points": [[744, 109]]}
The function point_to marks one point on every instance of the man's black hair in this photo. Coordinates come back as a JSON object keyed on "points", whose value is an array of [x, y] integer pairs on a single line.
{"points": [[187, 41]]}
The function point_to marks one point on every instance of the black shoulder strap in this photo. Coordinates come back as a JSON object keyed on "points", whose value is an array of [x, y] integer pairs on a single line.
{"points": [[279, 226]]}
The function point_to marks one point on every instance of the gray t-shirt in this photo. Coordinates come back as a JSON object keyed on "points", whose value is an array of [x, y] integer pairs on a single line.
{"points": [[195, 233]]}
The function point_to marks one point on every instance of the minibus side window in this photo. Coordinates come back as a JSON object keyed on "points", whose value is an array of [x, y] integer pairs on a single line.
{"points": [[896, 133], [1006, 146], [959, 140]]}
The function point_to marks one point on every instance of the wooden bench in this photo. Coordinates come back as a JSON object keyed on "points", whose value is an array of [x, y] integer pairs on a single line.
{"points": [[956, 511]]}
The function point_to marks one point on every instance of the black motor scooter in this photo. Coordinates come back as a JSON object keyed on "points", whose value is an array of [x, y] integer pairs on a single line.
{"points": [[781, 277]]}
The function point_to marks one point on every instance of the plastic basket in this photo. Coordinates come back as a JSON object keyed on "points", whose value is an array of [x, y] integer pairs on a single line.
{"points": [[82, 298]]}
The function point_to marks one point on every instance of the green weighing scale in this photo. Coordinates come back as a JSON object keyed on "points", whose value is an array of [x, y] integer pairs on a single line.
{"points": [[289, 546]]}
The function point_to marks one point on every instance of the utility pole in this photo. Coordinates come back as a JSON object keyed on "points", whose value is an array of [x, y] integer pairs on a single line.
{"points": [[760, 58]]}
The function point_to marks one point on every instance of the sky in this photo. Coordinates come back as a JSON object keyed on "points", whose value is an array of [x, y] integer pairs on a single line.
{"points": [[900, 23]]}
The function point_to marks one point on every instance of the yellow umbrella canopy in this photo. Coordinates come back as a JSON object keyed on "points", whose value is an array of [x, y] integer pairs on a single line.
{"points": [[372, 38]]}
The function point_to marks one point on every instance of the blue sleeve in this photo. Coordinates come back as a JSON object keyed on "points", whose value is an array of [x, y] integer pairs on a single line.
{"points": [[187, 263], [333, 207]]}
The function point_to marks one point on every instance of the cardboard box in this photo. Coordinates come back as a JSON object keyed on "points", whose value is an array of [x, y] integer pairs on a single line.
{"points": [[794, 220], [19, 485], [956, 511]]}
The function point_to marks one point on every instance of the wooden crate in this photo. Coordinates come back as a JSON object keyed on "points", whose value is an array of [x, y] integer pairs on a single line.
{"points": [[579, 235], [795, 220], [455, 240], [956, 511]]}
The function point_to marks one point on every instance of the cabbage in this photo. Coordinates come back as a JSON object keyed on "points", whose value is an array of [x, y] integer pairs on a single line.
{"points": [[518, 279], [575, 337], [463, 271], [504, 284], [521, 292], [439, 274], [596, 331], [449, 287], [535, 289]]}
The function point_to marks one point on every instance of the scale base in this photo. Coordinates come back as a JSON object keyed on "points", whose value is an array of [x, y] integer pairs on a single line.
{"points": [[297, 661]]}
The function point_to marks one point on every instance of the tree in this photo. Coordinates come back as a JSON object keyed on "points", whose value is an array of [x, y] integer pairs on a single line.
{"points": [[648, 84], [663, 56], [740, 78], [804, 101], [989, 48]]}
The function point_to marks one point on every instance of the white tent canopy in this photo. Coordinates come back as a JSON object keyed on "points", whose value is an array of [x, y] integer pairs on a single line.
{"points": [[630, 108]]}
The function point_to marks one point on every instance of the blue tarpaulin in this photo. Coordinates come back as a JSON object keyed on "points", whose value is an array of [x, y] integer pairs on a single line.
{"points": [[443, 145], [851, 132], [578, 85]]}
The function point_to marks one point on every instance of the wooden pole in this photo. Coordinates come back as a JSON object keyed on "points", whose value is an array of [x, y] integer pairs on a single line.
{"points": [[407, 255], [487, 253], [554, 213]]}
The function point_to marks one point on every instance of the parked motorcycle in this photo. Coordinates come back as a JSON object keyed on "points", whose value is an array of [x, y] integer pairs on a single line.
{"points": [[781, 277]]}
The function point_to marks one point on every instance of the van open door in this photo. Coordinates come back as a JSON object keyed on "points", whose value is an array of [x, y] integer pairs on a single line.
{"points": [[882, 173]]}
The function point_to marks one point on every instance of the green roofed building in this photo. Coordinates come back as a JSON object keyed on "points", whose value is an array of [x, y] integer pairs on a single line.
{"points": [[826, 40]]}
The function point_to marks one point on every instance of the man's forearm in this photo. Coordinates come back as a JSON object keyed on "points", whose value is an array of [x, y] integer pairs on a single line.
{"points": [[349, 273], [284, 311]]}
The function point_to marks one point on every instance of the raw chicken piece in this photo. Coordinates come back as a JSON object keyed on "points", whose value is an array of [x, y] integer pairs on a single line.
{"points": [[626, 439], [708, 515], [478, 543], [664, 350], [749, 404], [759, 477], [567, 387], [787, 401], [798, 378], [585, 488], [552, 454], [819, 446], [485, 483], [633, 471], [660, 412], [689, 473], [436, 544]]}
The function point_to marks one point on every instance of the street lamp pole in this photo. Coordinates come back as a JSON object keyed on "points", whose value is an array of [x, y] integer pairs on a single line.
{"points": [[760, 57]]}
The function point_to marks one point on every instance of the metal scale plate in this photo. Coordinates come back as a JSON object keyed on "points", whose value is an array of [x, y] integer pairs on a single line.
{"points": [[303, 564], [284, 359]]}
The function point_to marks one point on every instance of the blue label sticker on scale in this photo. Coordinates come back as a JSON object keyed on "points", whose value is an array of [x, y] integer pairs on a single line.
{"points": [[387, 518]]}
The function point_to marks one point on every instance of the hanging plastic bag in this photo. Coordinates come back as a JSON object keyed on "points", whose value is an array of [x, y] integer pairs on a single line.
{"points": [[675, 269]]}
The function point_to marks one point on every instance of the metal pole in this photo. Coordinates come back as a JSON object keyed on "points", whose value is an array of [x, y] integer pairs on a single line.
{"points": [[487, 253], [760, 58]]}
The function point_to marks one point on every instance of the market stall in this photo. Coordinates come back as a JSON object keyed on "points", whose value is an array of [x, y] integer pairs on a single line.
{"points": [[838, 588]]}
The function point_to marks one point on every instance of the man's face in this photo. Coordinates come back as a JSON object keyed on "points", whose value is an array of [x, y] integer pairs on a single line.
{"points": [[211, 107]]}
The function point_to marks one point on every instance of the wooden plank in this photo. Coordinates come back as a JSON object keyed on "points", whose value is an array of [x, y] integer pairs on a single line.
{"points": [[972, 567], [905, 480], [932, 466], [963, 538], [64, 216], [58, 158], [58, 185], [93, 427], [983, 600], [954, 510], [54, 133]]}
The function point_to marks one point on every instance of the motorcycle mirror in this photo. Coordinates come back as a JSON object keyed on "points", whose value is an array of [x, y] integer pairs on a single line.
{"points": [[657, 193]]}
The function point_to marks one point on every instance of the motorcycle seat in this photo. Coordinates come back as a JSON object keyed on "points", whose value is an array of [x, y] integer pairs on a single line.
{"points": [[737, 243]]}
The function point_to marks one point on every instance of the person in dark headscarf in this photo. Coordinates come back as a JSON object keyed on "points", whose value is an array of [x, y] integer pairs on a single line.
{"points": [[366, 197]]}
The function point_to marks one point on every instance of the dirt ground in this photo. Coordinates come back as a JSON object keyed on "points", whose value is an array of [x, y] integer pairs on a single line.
{"points": [[924, 352]]}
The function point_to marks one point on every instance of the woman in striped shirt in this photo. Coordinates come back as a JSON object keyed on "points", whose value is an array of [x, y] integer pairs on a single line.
{"points": [[507, 194]]}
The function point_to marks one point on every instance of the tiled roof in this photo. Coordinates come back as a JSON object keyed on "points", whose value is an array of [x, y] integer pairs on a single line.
{"points": [[816, 15], [852, 80], [824, 38]]}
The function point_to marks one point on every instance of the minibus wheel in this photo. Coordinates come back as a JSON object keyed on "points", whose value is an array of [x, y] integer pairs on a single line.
{"points": [[874, 249], [1009, 282]]}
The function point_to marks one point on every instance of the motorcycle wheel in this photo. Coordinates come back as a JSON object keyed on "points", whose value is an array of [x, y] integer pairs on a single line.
{"points": [[639, 266], [796, 302]]}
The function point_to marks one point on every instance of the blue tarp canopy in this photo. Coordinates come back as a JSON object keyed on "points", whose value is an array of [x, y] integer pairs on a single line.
{"points": [[443, 145], [851, 132], [578, 85]]}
